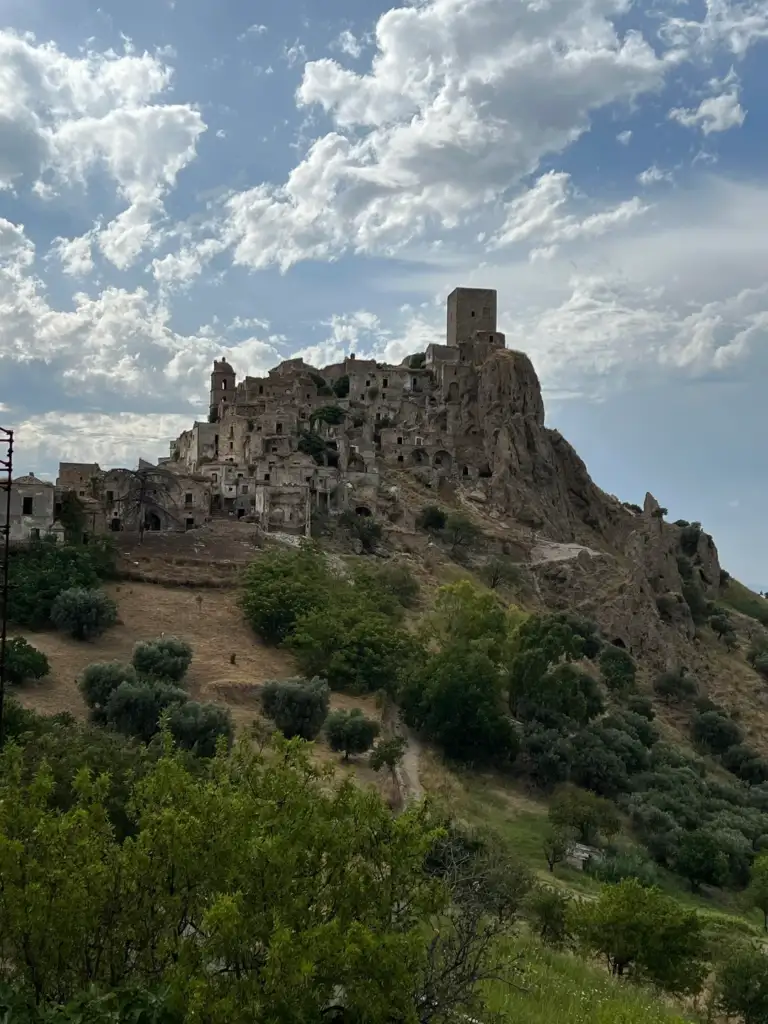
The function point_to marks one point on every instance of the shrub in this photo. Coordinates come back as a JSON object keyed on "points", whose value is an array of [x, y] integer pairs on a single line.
{"points": [[398, 581], [565, 690], [598, 766], [558, 844], [460, 531], [341, 386], [641, 706], [716, 732], [501, 572], [617, 668], [296, 706], [350, 732], [590, 816], [546, 755], [615, 867], [745, 763], [134, 708], [702, 859], [352, 645], [168, 657], [676, 685], [101, 679], [742, 985], [454, 697], [548, 911], [83, 613], [198, 727], [689, 539], [23, 661], [431, 518], [642, 932], [388, 753], [40, 571], [281, 586]]}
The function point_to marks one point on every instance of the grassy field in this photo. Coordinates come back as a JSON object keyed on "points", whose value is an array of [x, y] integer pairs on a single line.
{"points": [[557, 988], [735, 595]]}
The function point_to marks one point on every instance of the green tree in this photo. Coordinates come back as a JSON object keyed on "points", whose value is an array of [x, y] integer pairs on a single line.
{"points": [[465, 614], [675, 686], [590, 816], [167, 657], [617, 668], [563, 692], [549, 912], [388, 753], [84, 614], [352, 645], [742, 985], [298, 707], [99, 680], [362, 528], [701, 859], [501, 572], [300, 892], [557, 845], [134, 708], [460, 531], [41, 570], [350, 732], [200, 727], [757, 892], [72, 518], [645, 934], [281, 586], [24, 662], [716, 732], [454, 697]]}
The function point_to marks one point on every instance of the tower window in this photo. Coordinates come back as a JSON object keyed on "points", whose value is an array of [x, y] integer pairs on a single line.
{"points": [[472, 313], [27, 506], [223, 385]]}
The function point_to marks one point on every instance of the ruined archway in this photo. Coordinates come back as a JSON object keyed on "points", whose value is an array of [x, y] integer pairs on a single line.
{"points": [[363, 510], [442, 460], [419, 457], [356, 463], [152, 522], [453, 391]]}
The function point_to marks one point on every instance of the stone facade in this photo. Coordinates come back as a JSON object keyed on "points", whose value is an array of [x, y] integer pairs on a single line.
{"points": [[301, 441], [32, 508]]}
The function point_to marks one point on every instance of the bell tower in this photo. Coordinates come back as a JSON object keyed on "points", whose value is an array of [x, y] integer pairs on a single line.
{"points": [[223, 381]]}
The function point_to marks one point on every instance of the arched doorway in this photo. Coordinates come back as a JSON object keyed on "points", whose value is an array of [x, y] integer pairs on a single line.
{"points": [[363, 510], [356, 463], [453, 391], [419, 457], [442, 460]]}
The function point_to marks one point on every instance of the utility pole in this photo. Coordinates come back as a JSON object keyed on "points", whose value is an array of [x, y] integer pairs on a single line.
{"points": [[6, 481]]}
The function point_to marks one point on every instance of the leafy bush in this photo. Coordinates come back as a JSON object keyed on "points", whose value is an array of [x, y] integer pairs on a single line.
{"points": [[615, 867], [350, 732], [460, 531], [23, 661], [431, 518], [617, 668], [742, 985], [134, 708], [548, 911], [297, 707], [40, 571], [281, 586], [395, 580], [690, 535], [745, 763], [167, 657], [501, 572], [312, 444], [716, 732], [101, 679], [341, 386], [565, 691], [352, 645], [644, 933], [83, 613], [454, 697], [702, 859], [545, 755], [198, 727], [590, 816], [675, 685], [329, 414], [642, 706], [388, 753]]}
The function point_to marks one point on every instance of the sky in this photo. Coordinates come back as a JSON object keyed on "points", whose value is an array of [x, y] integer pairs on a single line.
{"points": [[184, 179]]}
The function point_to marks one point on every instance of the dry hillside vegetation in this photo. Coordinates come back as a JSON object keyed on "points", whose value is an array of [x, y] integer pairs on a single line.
{"points": [[207, 619]]}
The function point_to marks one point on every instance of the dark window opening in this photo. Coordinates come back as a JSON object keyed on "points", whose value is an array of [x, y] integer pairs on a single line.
{"points": [[27, 506], [223, 385], [400, 458], [231, 445], [465, 471], [110, 497], [81, 494], [266, 477], [189, 523], [472, 313], [34, 533], [187, 499], [385, 382], [399, 440], [240, 513], [362, 510], [261, 389], [57, 510], [485, 472], [278, 428], [618, 642], [491, 338]]}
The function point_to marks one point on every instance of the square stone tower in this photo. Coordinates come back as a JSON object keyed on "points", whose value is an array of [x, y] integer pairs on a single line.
{"points": [[470, 310]]}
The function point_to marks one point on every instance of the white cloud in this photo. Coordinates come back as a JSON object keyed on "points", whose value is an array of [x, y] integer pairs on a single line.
{"points": [[348, 43], [624, 137], [183, 267], [653, 175], [539, 215], [64, 118], [435, 129], [251, 31], [716, 113], [75, 254]]}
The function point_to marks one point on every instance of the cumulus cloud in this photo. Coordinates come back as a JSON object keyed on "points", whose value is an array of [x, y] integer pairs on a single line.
{"points": [[653, 175], [435, 129], [716, 113], [63, 118], [349, 43], [539, 215]]}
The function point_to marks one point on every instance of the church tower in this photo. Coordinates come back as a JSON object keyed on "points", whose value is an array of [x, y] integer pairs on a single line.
{"points": [[470, 311], [222, 388]]}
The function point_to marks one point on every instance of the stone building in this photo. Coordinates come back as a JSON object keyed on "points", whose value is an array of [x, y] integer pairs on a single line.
{"points": [[302, 441], [32, 508]]}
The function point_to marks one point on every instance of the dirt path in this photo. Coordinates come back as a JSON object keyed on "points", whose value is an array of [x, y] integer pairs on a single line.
{"points": [[413, 789]]}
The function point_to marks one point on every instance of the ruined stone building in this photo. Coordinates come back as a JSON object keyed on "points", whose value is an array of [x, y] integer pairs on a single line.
{"points": [[303, 440]]}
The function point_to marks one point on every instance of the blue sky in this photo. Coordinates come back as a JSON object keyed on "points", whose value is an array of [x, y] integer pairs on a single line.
{"points": [[184, 179]]}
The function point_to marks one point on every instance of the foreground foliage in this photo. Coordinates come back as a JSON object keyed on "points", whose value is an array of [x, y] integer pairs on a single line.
{"points": [[217, 897]]}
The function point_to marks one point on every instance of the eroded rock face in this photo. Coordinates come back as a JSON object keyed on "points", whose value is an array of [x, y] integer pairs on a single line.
{"points": [[539, 480]]}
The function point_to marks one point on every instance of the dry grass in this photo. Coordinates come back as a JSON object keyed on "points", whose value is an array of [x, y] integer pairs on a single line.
{"points": [[207, 619]]}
